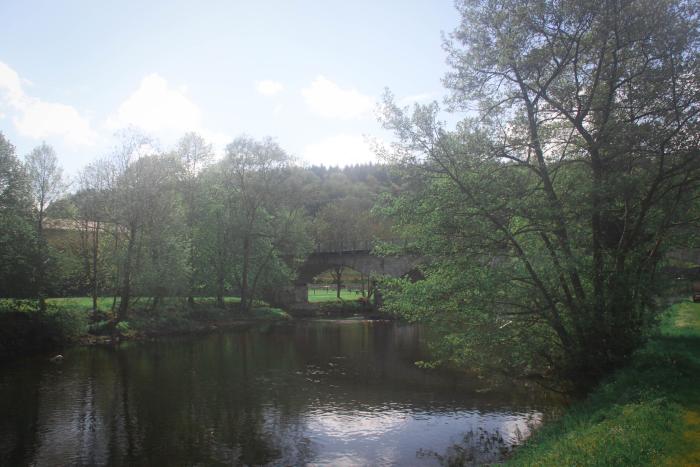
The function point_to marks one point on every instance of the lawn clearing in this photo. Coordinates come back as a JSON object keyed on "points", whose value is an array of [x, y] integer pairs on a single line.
{"points": [[329, 295]]}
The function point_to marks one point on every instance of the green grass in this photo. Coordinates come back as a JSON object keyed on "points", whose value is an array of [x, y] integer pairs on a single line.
{"points": [[646, 414], [329, 295], [682, 320], [81, 303], [105, 303]]}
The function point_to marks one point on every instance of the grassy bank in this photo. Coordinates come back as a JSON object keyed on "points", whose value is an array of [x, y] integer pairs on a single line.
{"points": [[646, 414], [24, 330]]}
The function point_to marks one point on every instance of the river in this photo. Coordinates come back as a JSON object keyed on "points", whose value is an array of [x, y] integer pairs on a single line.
{"points": [[294, 393]]}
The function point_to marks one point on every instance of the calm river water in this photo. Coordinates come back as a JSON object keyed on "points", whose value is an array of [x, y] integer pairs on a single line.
{"points": [[308, 392]]}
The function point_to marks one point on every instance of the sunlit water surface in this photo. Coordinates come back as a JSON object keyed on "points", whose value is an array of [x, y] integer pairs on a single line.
{"points": [[308, 392]]}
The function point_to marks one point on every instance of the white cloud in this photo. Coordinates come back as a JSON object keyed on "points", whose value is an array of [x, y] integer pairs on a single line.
{"points": [[339, 150], [156, 106], [164, 111], [329, 100], [268, 87], [40, 119], [11, 84]]}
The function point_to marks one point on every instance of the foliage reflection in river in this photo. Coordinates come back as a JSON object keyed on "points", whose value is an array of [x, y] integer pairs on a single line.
{"points": [[327, 392]]}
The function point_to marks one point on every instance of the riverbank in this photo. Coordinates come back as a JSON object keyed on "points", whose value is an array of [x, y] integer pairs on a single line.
{"points": [[336, 309], [645, 414], [70, 321]]}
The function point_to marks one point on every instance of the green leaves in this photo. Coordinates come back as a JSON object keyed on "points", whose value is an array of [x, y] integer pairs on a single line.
{"points": [[546, 215], [17, 229]]}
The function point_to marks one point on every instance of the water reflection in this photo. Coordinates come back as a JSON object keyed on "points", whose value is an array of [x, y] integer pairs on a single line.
{"points": [[287, 394]]}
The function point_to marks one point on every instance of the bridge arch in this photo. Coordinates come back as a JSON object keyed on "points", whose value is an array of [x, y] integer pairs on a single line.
{"points": [[361, 261]]}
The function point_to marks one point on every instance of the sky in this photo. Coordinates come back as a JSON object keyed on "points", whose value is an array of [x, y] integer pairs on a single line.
{"points": [[307, 73]]}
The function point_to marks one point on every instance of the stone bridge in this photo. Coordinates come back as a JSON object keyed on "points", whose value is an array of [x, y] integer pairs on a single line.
{"points": [[361, 260]]}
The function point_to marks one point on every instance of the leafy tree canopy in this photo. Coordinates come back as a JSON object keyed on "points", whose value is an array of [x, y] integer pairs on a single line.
{"points": [[548, 209]]}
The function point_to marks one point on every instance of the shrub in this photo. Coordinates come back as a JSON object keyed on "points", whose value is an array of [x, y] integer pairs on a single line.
{"points": [[123, 327], [100, 328], [23, 329], [67, 323], [269, 312]]}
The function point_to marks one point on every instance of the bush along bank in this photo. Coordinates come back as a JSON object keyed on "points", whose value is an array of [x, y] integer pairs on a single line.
{"points": [[338, 309], [645, 414], [25, 330]]}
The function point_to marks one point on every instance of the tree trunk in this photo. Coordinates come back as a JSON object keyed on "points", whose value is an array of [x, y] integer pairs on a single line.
{"points": [[86, 248], [95, 247], [244, 273], [40, 263], [378, 301], [220, 260], [254, 286], [117, 278], [220, 293], [126, 284], [190, 297], [220, 280], [596, 229], [338, 278]]}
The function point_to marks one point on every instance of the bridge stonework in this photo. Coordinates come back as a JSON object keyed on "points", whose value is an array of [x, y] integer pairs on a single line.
{"points": [[359, 260]]}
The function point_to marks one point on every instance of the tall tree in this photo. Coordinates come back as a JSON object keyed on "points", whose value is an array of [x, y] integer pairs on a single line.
{"points": [[214, 240], [17, 233], [113, 168], [557, 196], [164, 244], [195, 155], [46, 181], [268, 212], [91, 213], [145, 193]]}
